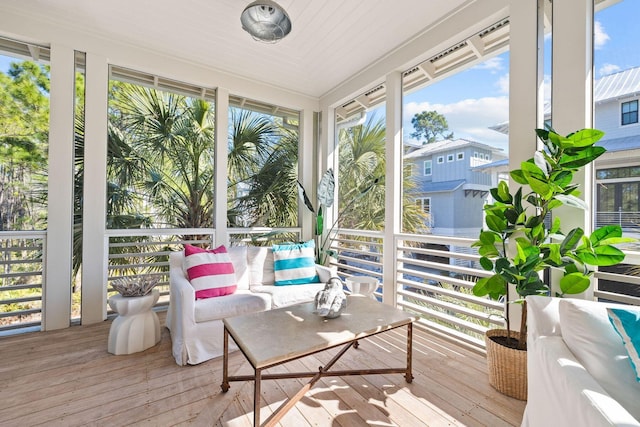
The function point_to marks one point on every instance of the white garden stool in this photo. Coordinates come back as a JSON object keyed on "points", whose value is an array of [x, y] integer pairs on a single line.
{"points": [[362, 285], [137, 326]]}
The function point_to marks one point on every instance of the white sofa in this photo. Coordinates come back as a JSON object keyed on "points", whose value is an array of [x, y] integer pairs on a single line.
{"points": [[578, 374], [196, 325]]}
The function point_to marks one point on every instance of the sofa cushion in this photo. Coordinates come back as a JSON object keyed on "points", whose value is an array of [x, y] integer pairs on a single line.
{"points": [[241, 302], [238, 255], [626, 322], [210, 272], [589, 335], [260, 265], [282, 296], [294, 263]]}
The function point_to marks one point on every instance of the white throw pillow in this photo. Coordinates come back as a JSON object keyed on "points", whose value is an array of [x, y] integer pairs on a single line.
{"points": [[591, 338]]}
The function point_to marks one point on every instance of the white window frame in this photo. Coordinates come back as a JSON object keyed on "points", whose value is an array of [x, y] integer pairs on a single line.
{"points": [[422, 201], [430, 167], [460, 156], [440, 159], [450, 158]]}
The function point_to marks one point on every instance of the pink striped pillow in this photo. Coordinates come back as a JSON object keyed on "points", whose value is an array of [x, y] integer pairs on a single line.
{"points": [[210, 272]]}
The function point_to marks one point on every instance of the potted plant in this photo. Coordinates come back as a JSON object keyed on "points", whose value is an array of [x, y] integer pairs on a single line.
{"points": [[520, 240]]}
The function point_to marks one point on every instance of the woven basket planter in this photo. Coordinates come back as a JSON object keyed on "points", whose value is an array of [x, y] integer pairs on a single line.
{"points": [[507, 366]]}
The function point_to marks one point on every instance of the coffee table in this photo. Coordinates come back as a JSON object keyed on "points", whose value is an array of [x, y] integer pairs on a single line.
{"points": [[278, 336]]}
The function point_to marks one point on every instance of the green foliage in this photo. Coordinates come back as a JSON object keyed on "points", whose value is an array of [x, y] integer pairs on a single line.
{"points": [[517, 243], [430, 125], [24, 126]]}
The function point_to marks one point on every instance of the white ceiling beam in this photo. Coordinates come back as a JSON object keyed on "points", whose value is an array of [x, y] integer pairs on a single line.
{"points": [[428, 69], [34, 51], [477, 45]]}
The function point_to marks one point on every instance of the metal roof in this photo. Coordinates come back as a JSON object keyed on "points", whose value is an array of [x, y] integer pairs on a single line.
{"points": [[443, 186], [623, 84], [617, 85], [448, 144], [621, 144]]}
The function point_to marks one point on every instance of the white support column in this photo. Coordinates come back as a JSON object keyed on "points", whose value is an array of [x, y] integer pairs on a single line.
{"points": [[95, 250], [308, 165], [393, 185], [57, 290], [221, 153], [572, 94], [526, 93]]}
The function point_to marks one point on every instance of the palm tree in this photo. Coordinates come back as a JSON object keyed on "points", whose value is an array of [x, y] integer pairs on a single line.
{"points": [[362, 160], [253, 139]]}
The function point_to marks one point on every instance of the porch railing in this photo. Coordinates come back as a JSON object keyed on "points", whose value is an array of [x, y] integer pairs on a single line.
{"points": [[434, 278], [21, 280]]}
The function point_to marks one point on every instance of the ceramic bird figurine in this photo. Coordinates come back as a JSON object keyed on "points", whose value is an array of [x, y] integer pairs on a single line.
{"points": [[331, 300]]}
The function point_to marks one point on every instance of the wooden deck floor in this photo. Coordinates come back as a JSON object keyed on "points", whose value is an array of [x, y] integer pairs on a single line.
{"points": [[68, 378]]}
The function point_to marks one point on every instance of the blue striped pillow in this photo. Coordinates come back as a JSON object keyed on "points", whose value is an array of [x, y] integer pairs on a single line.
{"points": [[294, 263], [627, 325]]}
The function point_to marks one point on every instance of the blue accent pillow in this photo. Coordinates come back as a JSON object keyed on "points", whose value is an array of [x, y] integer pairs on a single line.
{"points": [[627, 325], [295, 264]]}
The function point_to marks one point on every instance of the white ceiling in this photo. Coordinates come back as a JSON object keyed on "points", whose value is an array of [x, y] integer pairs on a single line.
{"points": [[331, 40]]}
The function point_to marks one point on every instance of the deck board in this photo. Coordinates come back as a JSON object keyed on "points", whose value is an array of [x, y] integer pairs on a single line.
{"points": [[68, 378]]}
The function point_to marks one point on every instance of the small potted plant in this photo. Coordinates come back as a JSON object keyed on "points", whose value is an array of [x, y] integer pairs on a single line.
{"points": [[521, 239]]}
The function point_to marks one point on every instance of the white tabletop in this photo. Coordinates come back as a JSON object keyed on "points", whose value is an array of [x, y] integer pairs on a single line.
{"points": [[282, 334]]}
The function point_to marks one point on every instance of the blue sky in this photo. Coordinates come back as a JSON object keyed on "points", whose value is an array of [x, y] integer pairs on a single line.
{"points": [[477, 98]]}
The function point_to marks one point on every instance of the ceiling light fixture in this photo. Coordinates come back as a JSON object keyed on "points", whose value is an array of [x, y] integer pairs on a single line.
{"points": [[266, 21]]}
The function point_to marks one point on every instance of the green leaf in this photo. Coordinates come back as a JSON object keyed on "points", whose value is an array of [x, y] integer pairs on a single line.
{"points": [[601, 256], [586, 137], [574, 283], [486, 263], [518, 176], [503, 192], [305, 198], [494, 286], [605, 232], [487, 237], [326, 188], [572, 201], [571, 241], [496, 224], [581, 158], [541, 187], [488, 251]]}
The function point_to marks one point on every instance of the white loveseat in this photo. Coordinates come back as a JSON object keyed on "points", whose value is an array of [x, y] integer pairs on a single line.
{"points": [[578, 374], [196, 325]]}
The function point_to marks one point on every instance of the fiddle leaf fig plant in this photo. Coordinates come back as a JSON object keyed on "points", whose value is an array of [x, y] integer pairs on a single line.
{"points": [[519, 240]]}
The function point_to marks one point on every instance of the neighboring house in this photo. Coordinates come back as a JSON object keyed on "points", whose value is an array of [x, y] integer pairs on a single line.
{"points": [[449, 187], [617, 190], [617, 172]]}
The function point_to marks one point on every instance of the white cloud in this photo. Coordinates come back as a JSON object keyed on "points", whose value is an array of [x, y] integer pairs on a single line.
{"points": [[600, 37], [469, 118], [546, 87], [608, 69], [503, 84], [493, 64]]}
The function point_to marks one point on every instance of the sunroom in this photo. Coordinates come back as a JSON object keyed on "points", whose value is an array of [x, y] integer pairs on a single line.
{"points": [[145, 126]]}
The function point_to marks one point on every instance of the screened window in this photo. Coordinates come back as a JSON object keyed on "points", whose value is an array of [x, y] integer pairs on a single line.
{"points": [[262, 165], [160, 168], [24, 143], [629, 112], [427, 167]]}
